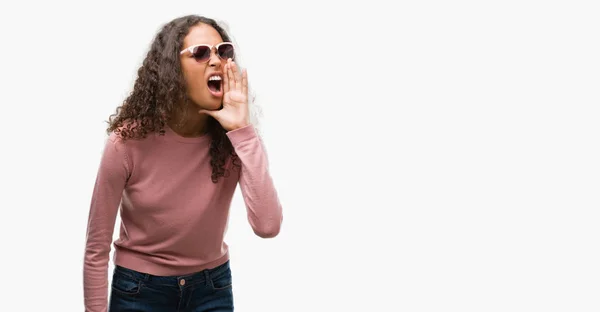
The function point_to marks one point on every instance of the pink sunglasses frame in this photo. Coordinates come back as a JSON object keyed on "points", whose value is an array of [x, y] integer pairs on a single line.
{"points": [[190, 49]]}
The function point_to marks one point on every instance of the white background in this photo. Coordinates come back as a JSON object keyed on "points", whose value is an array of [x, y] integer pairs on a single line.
{"points": [[433, 156]]}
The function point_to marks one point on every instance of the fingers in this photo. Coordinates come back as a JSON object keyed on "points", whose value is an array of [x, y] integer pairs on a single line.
{"points": [[245, 82], [225, 80], [234, 78], [230, 75], [238, 77]]}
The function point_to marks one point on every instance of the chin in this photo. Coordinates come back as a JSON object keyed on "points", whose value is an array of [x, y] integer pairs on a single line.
{"points": [[215, 106]]}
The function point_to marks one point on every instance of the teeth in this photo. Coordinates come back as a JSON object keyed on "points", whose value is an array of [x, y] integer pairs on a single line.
{"points": [[214, 78]]}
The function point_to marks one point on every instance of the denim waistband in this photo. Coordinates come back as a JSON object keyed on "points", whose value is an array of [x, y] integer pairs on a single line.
{"points": [[191, 278]]}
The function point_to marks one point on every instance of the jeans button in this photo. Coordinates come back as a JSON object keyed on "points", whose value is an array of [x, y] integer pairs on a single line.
{"points": [[182, 282]]}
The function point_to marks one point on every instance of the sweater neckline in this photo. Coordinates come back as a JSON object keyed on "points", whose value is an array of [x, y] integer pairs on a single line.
{"points": [[174, 136]]}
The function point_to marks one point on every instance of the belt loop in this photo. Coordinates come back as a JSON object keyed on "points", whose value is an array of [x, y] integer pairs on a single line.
{"points": [[146, 277], [207, 277]]}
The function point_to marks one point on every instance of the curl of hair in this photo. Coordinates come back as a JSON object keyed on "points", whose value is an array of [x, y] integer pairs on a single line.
{"points": [[159, 90]]}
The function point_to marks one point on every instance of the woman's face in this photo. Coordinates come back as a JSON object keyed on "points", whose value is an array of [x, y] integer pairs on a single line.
{"points": [[198, 73]]}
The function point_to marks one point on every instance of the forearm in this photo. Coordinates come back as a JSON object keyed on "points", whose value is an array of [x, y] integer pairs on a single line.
{"points": [[258, 190], [106, 198]]}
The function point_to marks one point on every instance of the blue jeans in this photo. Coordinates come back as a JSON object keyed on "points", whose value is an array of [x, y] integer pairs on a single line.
{"points": [[207, 290]]}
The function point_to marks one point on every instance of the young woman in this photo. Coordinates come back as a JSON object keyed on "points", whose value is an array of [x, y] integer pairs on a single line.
{"points": [[177, 148]]}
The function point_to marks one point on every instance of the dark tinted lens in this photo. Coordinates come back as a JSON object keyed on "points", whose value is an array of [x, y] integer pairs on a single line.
{"points": [[226, 51], [201, 53]]}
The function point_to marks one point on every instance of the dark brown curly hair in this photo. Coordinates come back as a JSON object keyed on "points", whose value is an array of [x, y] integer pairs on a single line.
{"points": [[159, 90]]}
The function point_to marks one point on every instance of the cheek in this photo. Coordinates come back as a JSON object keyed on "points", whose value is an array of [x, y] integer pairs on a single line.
{"points": [[194, 77]]}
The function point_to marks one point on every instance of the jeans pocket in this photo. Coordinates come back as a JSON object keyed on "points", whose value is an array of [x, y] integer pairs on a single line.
{"points": [[125, 284], [222, 280]]}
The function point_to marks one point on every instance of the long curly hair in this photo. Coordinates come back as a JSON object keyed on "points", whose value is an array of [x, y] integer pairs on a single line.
{"points": [[159, 90]]}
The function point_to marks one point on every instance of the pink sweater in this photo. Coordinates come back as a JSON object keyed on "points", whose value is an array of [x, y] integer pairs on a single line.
{"points": [[173, 216]]}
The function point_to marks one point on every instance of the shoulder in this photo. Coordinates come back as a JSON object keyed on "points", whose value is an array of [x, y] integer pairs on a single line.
{"points": [[116, 138], [118, 150], [130, 134], [131, 146], [115, 146]]}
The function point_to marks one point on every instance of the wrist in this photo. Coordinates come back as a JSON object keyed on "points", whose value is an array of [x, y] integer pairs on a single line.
{"points": [[238, 126]]}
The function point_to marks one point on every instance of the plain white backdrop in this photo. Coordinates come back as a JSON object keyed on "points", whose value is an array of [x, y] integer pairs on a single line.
{"points": [[432, 156]]}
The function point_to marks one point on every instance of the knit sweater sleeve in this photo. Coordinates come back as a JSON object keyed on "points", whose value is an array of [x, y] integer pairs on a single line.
{"points": [[260, 196], [111, 179]]}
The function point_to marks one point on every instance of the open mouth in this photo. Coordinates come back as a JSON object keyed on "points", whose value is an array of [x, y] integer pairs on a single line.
{"points": [[214, 85]]}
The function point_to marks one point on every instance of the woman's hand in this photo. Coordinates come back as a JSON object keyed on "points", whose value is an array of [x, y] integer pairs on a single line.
{"points": [[234, 114]]}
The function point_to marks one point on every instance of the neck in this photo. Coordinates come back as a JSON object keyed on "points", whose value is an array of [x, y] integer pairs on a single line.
{"points": [[193, 125]]}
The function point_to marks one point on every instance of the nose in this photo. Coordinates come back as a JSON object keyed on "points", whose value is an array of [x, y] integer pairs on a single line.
{"points": [[214, 60]]}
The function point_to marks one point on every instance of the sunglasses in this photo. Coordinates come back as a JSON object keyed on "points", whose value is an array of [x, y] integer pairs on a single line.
{"points": [[201, 52]]}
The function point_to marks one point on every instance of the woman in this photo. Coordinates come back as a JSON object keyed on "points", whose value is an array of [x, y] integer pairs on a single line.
{"points": [[177, 148]]}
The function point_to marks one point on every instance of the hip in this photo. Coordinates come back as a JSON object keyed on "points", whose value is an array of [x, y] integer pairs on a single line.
{"points": [[131, 289]]}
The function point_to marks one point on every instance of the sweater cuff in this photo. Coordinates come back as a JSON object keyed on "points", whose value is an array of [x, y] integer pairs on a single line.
{"points": [[240, 135]]}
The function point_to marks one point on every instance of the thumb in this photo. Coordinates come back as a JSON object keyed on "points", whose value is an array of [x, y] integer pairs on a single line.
{"points": [[214, 114]]}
